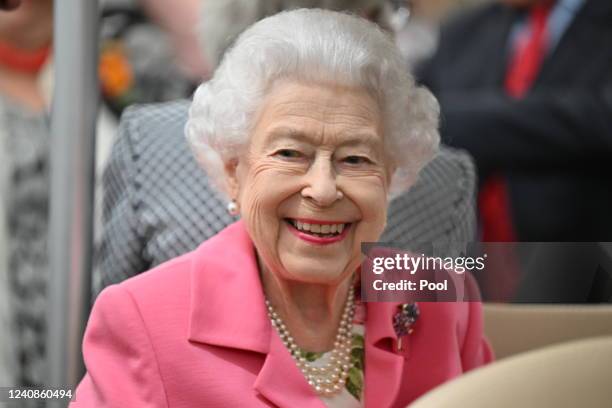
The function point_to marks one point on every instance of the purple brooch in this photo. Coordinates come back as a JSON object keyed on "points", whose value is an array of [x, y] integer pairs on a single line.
{"points": [[404, 319]]}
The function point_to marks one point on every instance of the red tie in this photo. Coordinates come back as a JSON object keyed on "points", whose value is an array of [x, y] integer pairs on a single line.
{"points": [[531, 46]]}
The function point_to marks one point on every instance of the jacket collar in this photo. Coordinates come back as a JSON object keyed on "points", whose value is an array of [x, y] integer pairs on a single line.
{"points": [[227, 301], [384, 363], [228, 310]]}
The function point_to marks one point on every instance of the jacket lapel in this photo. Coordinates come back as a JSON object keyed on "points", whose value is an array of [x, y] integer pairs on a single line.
{"points": [[227, 304], [384, 364], [228, 310], [281, 381]]}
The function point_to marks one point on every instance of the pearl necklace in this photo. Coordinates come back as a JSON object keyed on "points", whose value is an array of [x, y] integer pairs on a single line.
{"points": [[330, 378]]}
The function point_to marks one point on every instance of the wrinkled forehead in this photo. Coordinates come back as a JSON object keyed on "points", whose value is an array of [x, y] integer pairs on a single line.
{"points": [[319, 114]]}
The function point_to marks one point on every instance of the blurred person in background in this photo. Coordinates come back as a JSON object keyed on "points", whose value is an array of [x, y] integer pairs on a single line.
{"points": [[5, 358], [222, 20], [26, 82], [149, 52], [414, 22], [526, 87], [180, 24], [416, 25], [25, 49]]}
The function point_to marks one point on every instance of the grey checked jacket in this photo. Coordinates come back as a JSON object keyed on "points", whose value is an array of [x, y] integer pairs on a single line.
{"points": [[158, 203]]}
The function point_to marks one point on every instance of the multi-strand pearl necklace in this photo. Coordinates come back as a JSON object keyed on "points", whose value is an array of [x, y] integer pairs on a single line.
{"points": [[329, 379]]}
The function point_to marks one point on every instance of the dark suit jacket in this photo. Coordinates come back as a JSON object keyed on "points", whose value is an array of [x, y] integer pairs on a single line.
{"points": [[554, 145]]}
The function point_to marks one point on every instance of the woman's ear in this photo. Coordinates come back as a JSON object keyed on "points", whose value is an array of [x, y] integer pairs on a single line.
{"points": [[231, 177]]}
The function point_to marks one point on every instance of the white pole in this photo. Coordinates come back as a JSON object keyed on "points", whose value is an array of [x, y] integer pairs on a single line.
{"points": [[73, 119]]}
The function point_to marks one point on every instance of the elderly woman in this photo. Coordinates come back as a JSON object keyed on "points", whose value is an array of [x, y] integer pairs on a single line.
{"points": [[309, 125]]}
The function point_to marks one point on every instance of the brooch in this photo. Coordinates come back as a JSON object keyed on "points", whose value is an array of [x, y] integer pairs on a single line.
{"points": [[404, 319]]}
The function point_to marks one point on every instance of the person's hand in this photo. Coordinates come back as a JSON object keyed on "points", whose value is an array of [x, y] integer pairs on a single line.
{"points": [[9, 4]]}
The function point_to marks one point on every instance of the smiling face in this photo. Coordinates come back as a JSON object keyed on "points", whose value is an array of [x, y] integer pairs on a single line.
{"points": [[313, 182]]}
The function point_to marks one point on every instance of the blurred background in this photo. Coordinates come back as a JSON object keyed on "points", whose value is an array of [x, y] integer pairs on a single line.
{"points": [[525, 87]]}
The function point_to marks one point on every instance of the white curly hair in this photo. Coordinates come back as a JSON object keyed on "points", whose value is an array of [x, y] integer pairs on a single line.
{"points": [[312, 46]]}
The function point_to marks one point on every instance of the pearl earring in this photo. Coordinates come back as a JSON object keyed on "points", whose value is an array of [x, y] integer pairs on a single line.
{"points": [[232, 208]]}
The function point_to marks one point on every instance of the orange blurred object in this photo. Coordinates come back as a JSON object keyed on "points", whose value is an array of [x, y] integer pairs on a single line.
{"points": [[115, 71]]}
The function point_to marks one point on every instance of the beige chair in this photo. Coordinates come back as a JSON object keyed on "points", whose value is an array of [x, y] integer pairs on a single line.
{"points": [[576, 374], [515, 328]]}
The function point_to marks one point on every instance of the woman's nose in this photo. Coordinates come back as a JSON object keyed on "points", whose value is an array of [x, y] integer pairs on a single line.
{"points": [[321, 185]]}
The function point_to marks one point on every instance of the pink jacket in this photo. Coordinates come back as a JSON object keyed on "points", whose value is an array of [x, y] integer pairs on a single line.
{"points": [[194, 332]]}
